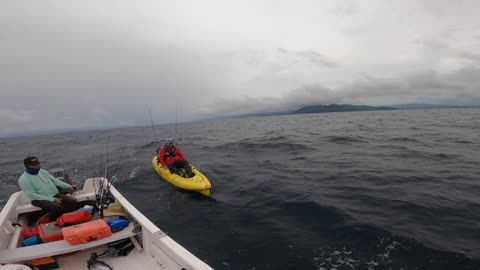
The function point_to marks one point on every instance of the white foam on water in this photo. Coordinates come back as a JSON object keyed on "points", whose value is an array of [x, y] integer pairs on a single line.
{"points": [[331, 258]]}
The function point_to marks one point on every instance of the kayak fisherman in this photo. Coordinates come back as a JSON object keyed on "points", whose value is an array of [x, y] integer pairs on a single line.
{"points": [[42, 189], [172, 158]]}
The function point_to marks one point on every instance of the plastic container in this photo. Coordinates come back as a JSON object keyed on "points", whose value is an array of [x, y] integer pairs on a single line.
{"points": [[86, 232], [86, 207], [34, 240], [117, 224], [29, 232], [74, 218], [50, 232], [46, 263], [44, 219]]}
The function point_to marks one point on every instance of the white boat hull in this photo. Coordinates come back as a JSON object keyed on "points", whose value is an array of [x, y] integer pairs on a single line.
{"points": [[155, 249]]}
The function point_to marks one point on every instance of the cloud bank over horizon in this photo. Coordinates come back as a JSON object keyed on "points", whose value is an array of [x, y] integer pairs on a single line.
{"points": [[91, 64]]}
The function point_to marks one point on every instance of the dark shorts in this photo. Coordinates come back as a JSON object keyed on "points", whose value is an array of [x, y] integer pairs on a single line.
{"points": [[180, 164], [55, 210]]}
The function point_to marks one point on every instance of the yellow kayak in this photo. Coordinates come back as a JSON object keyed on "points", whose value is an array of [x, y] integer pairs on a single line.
{"points": [[197, 183]]}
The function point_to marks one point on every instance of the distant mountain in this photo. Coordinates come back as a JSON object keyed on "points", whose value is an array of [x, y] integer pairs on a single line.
{"points": [[343, 108], [427, 106], [340, 108], [247, 115], [263, 114]]}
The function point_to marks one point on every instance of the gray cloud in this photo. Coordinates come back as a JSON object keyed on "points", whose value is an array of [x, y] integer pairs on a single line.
{"points": [[460, 88], [98, 64], [471, 56], [309, 55], [346, 8]]}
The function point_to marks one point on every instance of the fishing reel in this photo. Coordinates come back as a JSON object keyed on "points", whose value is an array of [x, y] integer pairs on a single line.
{"points": [[60, 174], [105, 201]]}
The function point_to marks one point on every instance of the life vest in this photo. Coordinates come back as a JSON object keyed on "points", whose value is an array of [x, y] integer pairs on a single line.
{"points": [[168, 154]]}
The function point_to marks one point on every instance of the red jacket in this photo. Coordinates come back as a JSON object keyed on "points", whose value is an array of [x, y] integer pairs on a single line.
{"points": [[172, 156]]}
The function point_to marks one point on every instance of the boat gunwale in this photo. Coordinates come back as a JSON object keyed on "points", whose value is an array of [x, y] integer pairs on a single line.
{"points": [[153, 238]]}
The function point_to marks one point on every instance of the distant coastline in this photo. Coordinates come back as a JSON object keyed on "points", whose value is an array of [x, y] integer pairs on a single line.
{"points": [[340, 108], [331, 108], [319, 108]]}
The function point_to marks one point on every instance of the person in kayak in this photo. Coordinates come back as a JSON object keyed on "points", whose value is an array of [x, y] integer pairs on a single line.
{"points": [[41, 188], [172, 158]]}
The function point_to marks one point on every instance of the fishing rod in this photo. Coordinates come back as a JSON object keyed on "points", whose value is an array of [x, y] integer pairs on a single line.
{"points": [[92, 166], [96, 183], [106, 163], [100, 165], [97, 171], [92, 170], [176, 121], [102, 184], [105, 189], [118, 162], [155, 137]]}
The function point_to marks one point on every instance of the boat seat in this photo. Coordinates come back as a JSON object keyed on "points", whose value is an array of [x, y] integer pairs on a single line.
{"points": [[60, 247], [26, 208]]}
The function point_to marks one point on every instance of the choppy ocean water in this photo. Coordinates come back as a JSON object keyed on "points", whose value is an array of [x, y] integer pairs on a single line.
{"points": [[362, 190]]}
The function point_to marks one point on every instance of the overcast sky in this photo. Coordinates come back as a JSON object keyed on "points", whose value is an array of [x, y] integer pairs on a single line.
{"points": [[76, 64]]}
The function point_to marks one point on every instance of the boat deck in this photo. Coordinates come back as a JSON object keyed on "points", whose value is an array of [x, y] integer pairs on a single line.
{"points": [[59, 247], [135, 260], [153, 248]]}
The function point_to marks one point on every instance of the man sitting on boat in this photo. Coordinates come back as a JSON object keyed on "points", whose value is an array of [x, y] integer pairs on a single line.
{"points": [[172, 158], [41, 188]]}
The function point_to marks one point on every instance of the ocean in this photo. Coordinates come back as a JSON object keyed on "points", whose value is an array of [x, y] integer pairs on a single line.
{"points": [[356, 190]]}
